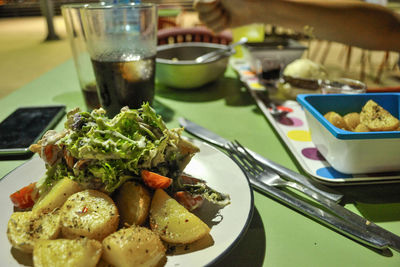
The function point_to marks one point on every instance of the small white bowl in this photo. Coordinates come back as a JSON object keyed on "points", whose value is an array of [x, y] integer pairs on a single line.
{"points": [[353, 152]]}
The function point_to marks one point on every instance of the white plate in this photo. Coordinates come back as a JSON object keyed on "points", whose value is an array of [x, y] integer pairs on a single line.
{"points": [[220, 172]]}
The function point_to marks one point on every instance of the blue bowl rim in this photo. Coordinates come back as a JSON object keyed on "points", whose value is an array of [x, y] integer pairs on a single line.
{"points": [[343, 134]]}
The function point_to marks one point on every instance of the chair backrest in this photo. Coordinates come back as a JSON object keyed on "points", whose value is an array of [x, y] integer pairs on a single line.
{"points": [[195, 34]]}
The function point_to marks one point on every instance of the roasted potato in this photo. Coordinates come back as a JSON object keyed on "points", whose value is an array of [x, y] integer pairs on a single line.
{"points": [[361, 128], [133, 202], [56, 197], [25, 228], [64, 253], [376, 118], [336, 119], [352, 120], [89, 213], [173, 222], [133, 246]]}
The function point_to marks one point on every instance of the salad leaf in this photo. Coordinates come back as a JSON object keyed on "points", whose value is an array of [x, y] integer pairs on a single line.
{"points": [[103, 153]]}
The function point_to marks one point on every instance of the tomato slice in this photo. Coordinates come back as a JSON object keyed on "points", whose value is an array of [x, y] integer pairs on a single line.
{"points": [[25, 197], [155, 181], [188, 201]]}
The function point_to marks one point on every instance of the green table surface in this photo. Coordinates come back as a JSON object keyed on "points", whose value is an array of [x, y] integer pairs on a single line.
{"points": [[278, 235]]}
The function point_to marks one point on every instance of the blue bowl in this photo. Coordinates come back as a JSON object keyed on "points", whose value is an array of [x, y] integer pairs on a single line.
{"points": [[353, 152], [318, 105]]}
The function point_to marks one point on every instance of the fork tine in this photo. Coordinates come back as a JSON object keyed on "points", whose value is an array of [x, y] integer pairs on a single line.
{"points": [[239, 163], [250, 164], [249, 158], [239, 157]]}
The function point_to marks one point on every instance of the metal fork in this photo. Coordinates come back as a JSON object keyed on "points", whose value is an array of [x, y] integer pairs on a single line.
{"points": [[338, 217], [264, 174]]}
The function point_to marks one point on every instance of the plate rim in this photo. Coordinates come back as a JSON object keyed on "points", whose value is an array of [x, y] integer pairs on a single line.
{"points": [[249, 214]]}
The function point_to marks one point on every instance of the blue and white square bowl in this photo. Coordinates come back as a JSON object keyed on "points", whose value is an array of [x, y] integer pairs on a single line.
{"points": [[353, 152]]}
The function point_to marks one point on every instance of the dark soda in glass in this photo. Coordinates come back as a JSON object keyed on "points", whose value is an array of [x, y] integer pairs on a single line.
{"points": [[272, 74], [90, 95], [124, 83]]}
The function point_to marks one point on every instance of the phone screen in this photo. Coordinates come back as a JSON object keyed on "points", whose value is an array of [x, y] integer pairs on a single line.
{"points": [[26, 125]]}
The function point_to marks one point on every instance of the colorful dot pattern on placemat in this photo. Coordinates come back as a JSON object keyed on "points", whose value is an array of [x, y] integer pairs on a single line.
{"points": [[312, 153], [257, 86], [299, 135], [290, 121], [329, 172]]}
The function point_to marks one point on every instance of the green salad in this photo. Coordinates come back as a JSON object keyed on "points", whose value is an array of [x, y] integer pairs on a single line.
{"points": [[102, 153]]}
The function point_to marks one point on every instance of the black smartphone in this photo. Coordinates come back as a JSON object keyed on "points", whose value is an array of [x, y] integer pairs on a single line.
{"points": [[25, 126]]}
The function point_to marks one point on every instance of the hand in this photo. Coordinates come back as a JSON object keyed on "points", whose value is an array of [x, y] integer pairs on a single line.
{"points": [[221, 14]]}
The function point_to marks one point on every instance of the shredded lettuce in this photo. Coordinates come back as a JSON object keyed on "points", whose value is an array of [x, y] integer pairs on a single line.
{"points": [[107, 152]]}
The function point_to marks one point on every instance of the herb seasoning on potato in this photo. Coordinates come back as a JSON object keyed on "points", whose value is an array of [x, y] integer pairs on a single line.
{"points": [[372, 118], [108, 194]]}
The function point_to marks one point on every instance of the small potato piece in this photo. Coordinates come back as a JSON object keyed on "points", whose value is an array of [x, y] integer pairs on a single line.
{"points": [[133, 246], [336, 119], [352, 120], [57, 195], [64, 253], [133, 202], [24, 228], [361, 128], [173, 222], [89, 213], [377, 118]]}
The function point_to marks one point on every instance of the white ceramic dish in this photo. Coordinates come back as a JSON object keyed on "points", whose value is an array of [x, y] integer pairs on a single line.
{"points": [[227, 224]]}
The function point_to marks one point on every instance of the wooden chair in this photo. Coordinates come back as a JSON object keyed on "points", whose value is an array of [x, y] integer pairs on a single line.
{"points": [[194, 34]]}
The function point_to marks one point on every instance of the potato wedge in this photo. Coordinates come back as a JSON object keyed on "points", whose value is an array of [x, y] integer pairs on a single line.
{"points": [[56, 197], [336, 119], [24, 228], [173, 222], [361, 128], [133, 246], [133, 202], [352, 120], [64, 253], [376, 118], [89, 213]]}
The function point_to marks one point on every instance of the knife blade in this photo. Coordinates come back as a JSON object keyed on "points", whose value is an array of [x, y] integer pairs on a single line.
{"points": [[215, 139], [346, 228]]}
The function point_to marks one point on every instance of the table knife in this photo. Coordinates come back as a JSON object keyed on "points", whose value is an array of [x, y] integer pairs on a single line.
{"points": [[351, 230], [215, 139]]}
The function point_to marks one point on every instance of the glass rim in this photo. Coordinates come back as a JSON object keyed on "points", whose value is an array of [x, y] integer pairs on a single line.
{"points": [[102, 6], [345, 81], [75, 5]]}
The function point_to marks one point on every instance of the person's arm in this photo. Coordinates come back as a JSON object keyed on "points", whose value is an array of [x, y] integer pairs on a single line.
{"points": [[354, 23]]}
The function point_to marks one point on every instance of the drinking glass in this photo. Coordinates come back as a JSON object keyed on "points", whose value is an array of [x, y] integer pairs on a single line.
{"points": [[269, 69], [83, 65], [343, 86], [122, 43]]}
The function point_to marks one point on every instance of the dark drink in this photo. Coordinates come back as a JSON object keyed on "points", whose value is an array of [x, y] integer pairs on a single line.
{"points": [[272, 74], [90, 96], [124, 83]]}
